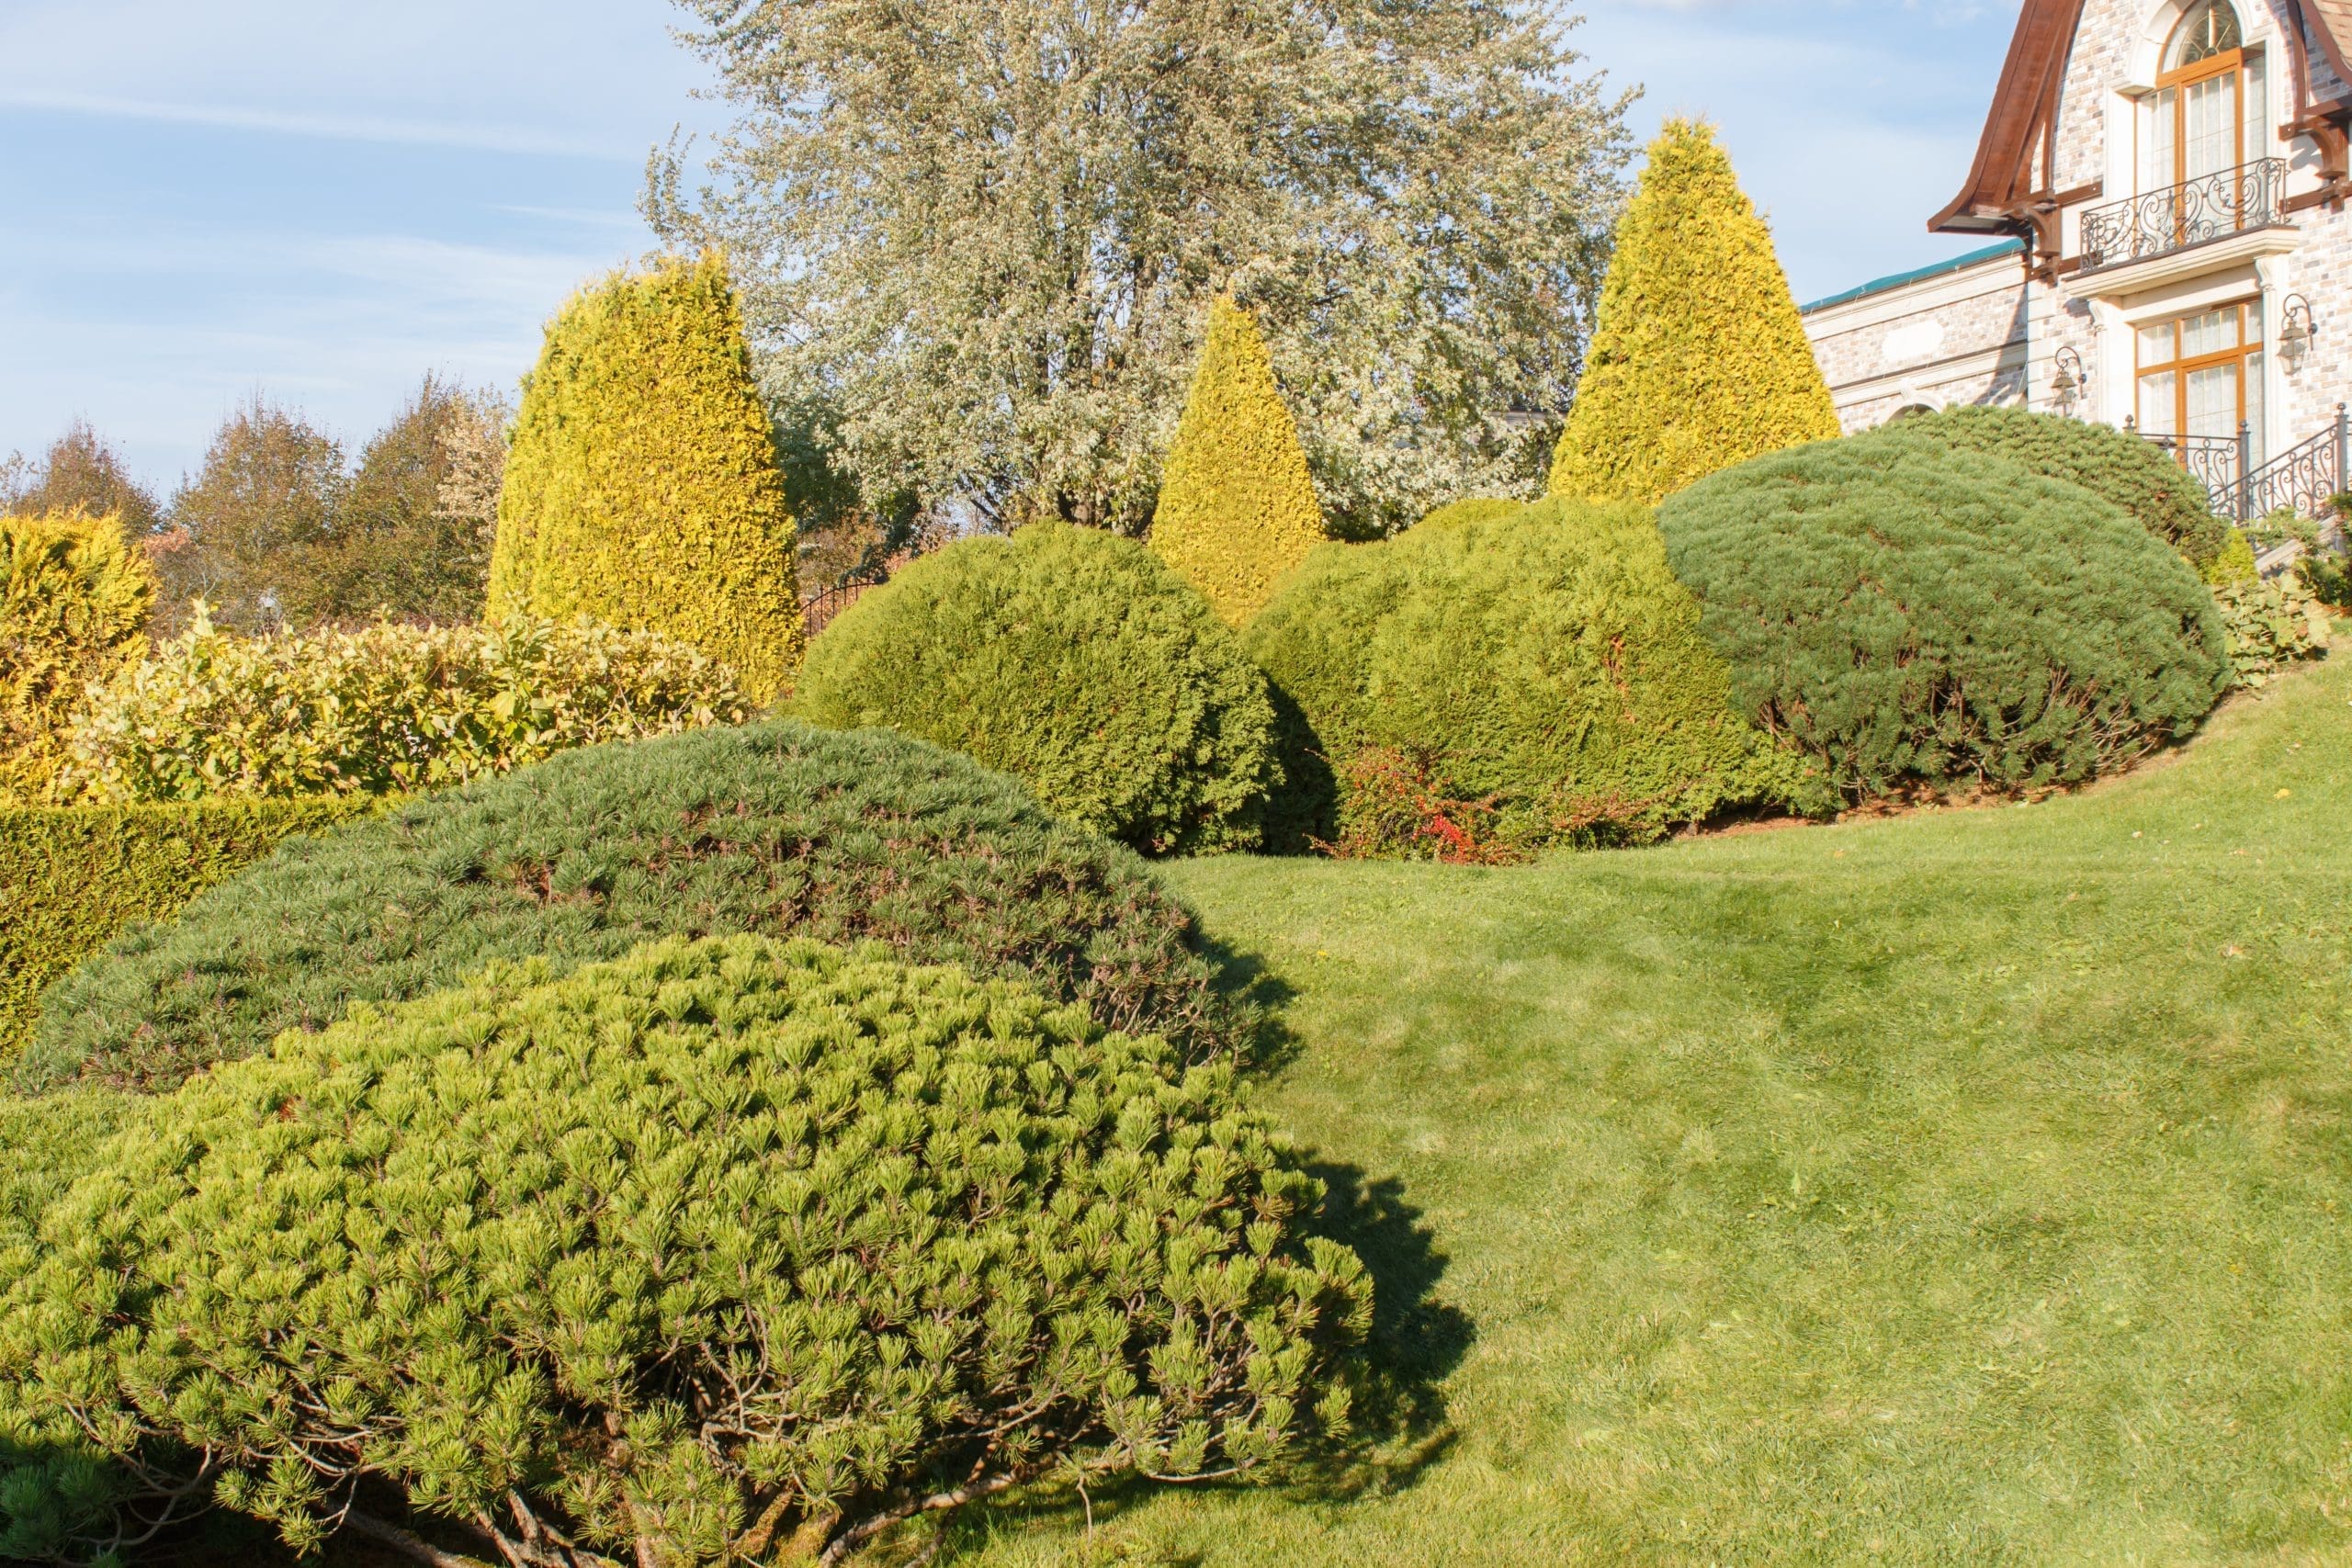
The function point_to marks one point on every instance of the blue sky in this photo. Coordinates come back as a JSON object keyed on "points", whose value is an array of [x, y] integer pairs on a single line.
{"points": [[207, 197]]}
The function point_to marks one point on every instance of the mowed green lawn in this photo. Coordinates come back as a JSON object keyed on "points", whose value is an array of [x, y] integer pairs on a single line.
{"points": [[1965, 1188]]}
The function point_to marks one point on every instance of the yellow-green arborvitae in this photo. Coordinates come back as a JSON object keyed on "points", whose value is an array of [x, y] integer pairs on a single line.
{"points": [[642, 488], [1237, 507], [1699, 360], [75, 597]]}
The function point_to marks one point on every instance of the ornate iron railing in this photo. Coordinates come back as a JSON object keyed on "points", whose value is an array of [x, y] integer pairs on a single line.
{"points": [[2211, 207], [2305, 476], [2217, 462]]}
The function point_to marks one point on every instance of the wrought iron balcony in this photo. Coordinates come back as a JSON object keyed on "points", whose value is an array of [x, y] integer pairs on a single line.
{"points": [[2211, 207]]}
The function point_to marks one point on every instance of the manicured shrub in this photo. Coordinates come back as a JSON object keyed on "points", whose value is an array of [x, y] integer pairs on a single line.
{"points": [[642, 488], [1544, 667], [1237, 506], [2234, 563], [72, 877], [75, 596], [1075, 661], [2121, 468], [1699, 359], [1477, 509], [1917, 617], [777, 829], [2270, 625], [721, 1246], [390, 707]]}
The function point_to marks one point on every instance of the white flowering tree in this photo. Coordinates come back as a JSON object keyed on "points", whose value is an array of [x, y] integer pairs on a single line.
{"points": [[978, 238]]}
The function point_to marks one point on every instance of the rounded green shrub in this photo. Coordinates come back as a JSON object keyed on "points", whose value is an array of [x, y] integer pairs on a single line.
{"points": [[1543, 671], [1074, 660], [777, 829], [2119, 467], [719, 1247], [1477, 509], [1921, 617]]}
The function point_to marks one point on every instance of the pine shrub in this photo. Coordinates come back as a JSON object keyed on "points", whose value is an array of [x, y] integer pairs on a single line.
{"points": [[719, 1247], [75, 597], [1544, 667], [1237, 507], [2124, 470], [1699, 360], [71, 877], [1477, 509], [1922, 618], [1075, 661], [392, 707], [642, 487], [777, 829]]}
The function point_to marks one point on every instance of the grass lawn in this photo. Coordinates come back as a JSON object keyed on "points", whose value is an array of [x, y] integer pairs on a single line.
{"points": [[1963, 1188]]}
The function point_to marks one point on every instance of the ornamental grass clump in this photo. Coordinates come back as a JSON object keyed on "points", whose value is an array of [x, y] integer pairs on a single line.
{"points": [[777, 829], [389, 708], [727, 1251], [1077, 662], [1921, 619], [75, 598], [1539, 675]]}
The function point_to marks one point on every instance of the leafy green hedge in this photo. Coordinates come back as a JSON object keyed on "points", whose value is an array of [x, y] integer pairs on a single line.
{"points": [[719, 1247], [2124, 470], [72, 877], [777, 828], [1916, 616], [1074, 660], [1544, 667]]}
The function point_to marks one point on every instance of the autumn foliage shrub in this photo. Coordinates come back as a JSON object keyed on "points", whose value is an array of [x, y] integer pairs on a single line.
{"points": [[389, 708], [1920, 618], [1544, 664], [1075, 661], [776, 828], [726, 1251], [75, 598]]}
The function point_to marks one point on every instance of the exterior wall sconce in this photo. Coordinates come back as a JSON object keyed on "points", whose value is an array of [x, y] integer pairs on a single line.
{"points": [[2066, 387], [2296, 332]]}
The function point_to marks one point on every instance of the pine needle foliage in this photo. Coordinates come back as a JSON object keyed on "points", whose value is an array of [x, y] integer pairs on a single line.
{"points": [[776, 828], [1923, 619], [720, 1245], [1544, 664], [1699, 360], [1237, 506], [2119, 467], [75, 598], [1477, 509], [642, 487], [1075, 661]]}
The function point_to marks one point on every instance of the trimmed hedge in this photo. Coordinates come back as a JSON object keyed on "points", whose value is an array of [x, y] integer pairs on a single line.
{"points": [[1919, 617], [1543, 668], [75, 598], [1077, 662], [1477, 509], [722, 1246], [778, 827], [72, 877], [2124, 470]]}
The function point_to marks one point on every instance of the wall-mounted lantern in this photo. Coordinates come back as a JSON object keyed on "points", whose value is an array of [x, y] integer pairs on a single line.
{"points": [[2066, 387], [2296, 332]]}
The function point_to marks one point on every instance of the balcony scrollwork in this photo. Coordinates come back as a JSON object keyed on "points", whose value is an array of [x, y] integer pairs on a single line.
{"points": [[2211, 207]]}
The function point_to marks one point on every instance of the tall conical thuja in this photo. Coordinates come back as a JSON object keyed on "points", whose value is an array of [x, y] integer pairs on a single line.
{"points": [[1699, 359], [1236, 508], [642, 488]]}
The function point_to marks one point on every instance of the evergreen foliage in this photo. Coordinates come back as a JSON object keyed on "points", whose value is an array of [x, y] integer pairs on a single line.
{"points": [[71, 878], [1916, 616], [642, 488], [390, 708], [1075, 661], [2124, 470], [1699, 359], [2234, 563], [1545, 665], [776, 828], [722, 1245], [75, 598], [1237, 507], [1477, 509]]}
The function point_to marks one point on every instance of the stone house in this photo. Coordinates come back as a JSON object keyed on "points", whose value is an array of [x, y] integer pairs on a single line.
{"points": [[2163, 184]]}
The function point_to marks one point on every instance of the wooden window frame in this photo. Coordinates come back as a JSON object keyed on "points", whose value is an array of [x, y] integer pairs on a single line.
{"points": [[2182, 368]]}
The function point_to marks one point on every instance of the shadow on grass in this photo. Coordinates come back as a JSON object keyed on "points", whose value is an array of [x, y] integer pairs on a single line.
{"points": [[1243, 978]]}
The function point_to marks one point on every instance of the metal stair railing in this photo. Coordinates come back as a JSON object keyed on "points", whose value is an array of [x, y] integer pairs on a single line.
{"points": [[2305, 476]]}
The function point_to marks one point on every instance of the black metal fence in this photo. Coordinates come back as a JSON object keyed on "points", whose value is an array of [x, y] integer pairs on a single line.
{"points": [[2305, 478]]}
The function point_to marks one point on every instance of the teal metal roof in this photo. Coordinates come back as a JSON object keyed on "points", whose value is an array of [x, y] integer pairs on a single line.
{"points": [[2008, 247]]}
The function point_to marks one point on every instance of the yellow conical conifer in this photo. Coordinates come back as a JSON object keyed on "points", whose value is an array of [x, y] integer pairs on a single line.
{"points": [[1237, 506], [1699, 359], [642, 488]]}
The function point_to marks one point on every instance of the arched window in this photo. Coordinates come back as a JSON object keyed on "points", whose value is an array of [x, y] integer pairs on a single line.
{"points": [[2206, 116], [2209, 30]]}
